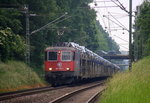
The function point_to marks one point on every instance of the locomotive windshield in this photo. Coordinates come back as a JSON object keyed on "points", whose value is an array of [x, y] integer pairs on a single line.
{"points": [[52, 55], [66, 56]]}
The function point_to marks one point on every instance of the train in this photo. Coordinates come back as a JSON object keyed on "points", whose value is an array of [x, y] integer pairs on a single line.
{"points": [[69, 62]]}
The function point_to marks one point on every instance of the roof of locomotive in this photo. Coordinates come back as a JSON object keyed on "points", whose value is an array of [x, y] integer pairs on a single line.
{"points": [[59, 48]]}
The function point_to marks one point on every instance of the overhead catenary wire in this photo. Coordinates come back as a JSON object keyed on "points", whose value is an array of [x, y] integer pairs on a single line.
{"points": [[102, 1], [110, 19], [121, 38], [98, 9], [120, 5], [118, 21], [123, 8], [43, 27], [123, 46], [106, 8], [102, 19], [119, 15]]}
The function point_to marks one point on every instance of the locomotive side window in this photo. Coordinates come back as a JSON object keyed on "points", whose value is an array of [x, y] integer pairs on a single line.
{"points": [[52, 55], [66, 56]]}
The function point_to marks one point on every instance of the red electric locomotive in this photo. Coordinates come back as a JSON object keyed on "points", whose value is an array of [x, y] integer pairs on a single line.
{"points": [[59, 64], [70, 62]]}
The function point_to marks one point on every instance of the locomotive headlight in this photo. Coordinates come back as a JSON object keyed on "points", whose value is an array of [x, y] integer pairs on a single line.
{"points": [[50, 69], [67, 68]]}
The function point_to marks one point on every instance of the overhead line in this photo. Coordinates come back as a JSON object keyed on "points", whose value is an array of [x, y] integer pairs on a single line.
{"points": [[43, 27], [118, 21], [123, 47], [123, 8], [102, 19], [103, 1], [100, 7], [108, 20], [120, 5], [121, 38]]}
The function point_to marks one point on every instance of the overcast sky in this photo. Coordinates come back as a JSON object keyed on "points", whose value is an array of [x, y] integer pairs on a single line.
{"points": [[112, 16]]}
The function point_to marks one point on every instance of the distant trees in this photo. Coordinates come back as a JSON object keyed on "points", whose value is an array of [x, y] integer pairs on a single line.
{"points": [[108, 44], [142, 32], [81, 26]]}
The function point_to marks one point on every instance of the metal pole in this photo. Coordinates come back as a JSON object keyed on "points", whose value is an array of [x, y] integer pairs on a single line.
{"points": [[130, 34], [27, 35]]}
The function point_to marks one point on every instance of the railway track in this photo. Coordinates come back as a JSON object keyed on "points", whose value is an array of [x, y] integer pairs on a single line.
{"points": [[95, 97], [44, 95], [9, 95], [84, 95]]}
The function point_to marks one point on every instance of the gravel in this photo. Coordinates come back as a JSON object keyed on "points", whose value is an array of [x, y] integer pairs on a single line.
{"points": [[44, 97]]}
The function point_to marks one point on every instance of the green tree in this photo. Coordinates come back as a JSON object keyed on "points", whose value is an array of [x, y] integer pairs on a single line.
{"points": [[142, 32], [81, 26], [11, 45]]}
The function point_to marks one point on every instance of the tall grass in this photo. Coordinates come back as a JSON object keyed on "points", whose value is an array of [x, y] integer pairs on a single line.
{"points": [[130, 87], [17, 75]]}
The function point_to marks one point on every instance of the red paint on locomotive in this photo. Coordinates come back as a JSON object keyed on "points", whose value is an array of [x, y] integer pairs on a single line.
{"points": [[59, 60]]}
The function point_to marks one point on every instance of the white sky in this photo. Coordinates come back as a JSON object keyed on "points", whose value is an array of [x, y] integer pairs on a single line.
{"points": [[115, 14]]}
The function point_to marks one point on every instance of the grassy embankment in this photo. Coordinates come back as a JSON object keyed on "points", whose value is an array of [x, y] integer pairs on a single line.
{"points": [[130, 87], [17, 75]]}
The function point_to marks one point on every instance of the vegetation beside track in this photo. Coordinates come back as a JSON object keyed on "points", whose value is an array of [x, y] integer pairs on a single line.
{"points": [[130, 87], [16, 75]]}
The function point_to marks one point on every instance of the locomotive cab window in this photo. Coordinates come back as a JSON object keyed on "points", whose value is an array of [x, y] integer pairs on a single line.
{"points": [[66, 56], [52, 55]]}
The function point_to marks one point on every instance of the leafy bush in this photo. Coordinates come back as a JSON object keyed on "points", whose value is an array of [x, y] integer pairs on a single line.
{"points": [[11, 45]]}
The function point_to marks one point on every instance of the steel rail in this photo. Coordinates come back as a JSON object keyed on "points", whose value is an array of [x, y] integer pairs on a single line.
{"points": [[95, 97], [14, 94], [68, 95]]}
